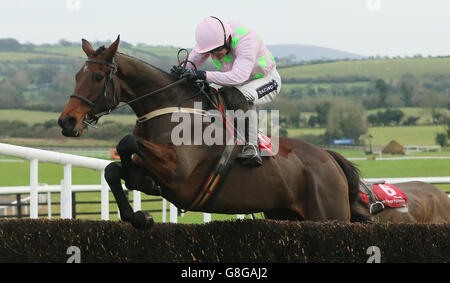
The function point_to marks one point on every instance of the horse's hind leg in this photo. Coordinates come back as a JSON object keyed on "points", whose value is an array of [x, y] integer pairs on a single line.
{"points": [[283, 214]]}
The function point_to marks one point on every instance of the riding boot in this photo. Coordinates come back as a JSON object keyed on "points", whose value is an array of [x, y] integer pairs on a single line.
{"points": [[250, 155]]}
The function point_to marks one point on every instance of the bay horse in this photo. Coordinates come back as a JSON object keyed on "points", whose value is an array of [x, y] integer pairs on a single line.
{"points": [[301, 182], [425, 203]]}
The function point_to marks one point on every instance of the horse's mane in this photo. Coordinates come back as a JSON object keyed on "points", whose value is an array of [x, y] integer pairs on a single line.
{"points": [[147, 64]]}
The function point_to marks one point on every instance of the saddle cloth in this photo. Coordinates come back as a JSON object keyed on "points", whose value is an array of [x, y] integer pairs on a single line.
{"points": [[264, 143], [388, 194]]}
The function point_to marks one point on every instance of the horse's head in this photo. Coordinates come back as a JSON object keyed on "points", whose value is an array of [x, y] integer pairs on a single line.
{"points": [[96, 92]]}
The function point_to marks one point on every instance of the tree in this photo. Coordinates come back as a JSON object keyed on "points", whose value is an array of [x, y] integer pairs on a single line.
{"points": [[10, 97], [9, 44], [373, 119], [394, 115], [411, 121], [322, 110], [407, 86], [381, 87], [312, 121], [441, 139], [448, 127], [346, 120]]}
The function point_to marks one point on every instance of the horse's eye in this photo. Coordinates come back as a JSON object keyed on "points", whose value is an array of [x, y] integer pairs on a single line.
{"points": [[99, 77]]}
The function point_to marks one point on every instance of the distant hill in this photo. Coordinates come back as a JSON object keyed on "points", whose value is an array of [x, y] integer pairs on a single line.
{"points": [[298, 53]]}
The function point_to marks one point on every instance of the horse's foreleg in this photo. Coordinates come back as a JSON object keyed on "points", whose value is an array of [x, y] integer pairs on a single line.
{"points": [[113, 173]]}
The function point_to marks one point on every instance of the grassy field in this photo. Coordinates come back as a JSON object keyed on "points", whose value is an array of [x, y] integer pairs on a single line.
{"points": [[405, 135], [391, 69], [23, 56], [32, 117], [63, 142]]}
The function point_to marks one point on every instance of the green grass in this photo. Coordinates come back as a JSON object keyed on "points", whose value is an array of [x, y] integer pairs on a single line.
{"points": [[62, 142], [405, 135], [404, 168], [287, 87], [32, 117], [386, 69], [22, 56]]}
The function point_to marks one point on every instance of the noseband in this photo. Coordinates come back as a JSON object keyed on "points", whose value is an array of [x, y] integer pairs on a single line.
{"points": [[93, 120]]}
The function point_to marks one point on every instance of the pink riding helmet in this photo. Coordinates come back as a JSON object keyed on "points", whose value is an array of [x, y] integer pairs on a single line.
{"points": [[210, 34]]}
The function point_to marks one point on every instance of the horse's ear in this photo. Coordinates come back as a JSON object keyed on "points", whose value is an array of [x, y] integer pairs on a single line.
{"points": [[112, 49], [87, 47]]}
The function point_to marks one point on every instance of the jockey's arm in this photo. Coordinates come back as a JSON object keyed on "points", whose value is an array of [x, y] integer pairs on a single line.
{"points": [[196, 58]]}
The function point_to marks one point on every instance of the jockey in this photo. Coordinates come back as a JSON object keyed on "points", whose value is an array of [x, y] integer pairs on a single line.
{"points": [[243, 61]]}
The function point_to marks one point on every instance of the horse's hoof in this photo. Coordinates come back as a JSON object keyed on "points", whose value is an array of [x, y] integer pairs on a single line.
{"points": [[142, 220]]}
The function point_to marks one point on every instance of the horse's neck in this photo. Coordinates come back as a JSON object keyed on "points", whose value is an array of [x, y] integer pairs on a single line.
{"points": [[138, 78]]}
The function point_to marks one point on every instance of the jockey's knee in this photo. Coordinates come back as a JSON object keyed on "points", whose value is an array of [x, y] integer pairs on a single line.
{"points": [[234, 98]]}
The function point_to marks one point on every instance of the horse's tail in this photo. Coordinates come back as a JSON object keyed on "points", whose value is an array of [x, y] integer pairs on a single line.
{"points": [[353, 176]]}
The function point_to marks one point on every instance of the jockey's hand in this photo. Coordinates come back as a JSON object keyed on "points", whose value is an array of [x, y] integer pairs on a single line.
{"points": [[176, 71], [194, 75]]}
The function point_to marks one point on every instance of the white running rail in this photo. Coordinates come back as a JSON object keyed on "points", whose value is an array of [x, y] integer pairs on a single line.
{"points": [[68, 160]]}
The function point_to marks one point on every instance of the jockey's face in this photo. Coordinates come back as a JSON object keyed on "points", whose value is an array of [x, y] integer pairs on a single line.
{"points": [[220, 54]]}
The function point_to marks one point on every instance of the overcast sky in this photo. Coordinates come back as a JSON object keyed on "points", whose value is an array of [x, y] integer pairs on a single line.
{"points": [[365, 27]]}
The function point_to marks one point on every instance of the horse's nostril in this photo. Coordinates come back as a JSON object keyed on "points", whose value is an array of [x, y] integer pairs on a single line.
{"points": [[60, 123], [67, 122], [72, 121]]}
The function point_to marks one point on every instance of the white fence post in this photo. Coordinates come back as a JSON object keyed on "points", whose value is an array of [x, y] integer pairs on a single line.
{"points": [[33, 188], [49, 205], [136, 200], [173, 213], [66, 200], [164, 210], [104, 196], [206, 217]]}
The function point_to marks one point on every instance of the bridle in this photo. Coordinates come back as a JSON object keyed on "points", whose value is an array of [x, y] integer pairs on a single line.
{"points": [[92, 119]]}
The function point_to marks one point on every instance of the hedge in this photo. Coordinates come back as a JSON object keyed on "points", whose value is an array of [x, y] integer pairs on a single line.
{"points": [[249, 241]]}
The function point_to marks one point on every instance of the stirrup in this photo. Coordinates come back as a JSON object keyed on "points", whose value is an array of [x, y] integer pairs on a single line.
{"points": [[254, 160], [376, 207]]}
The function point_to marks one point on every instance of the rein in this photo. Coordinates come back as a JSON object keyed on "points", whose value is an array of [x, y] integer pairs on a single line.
{"points": [[114, 67]]}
